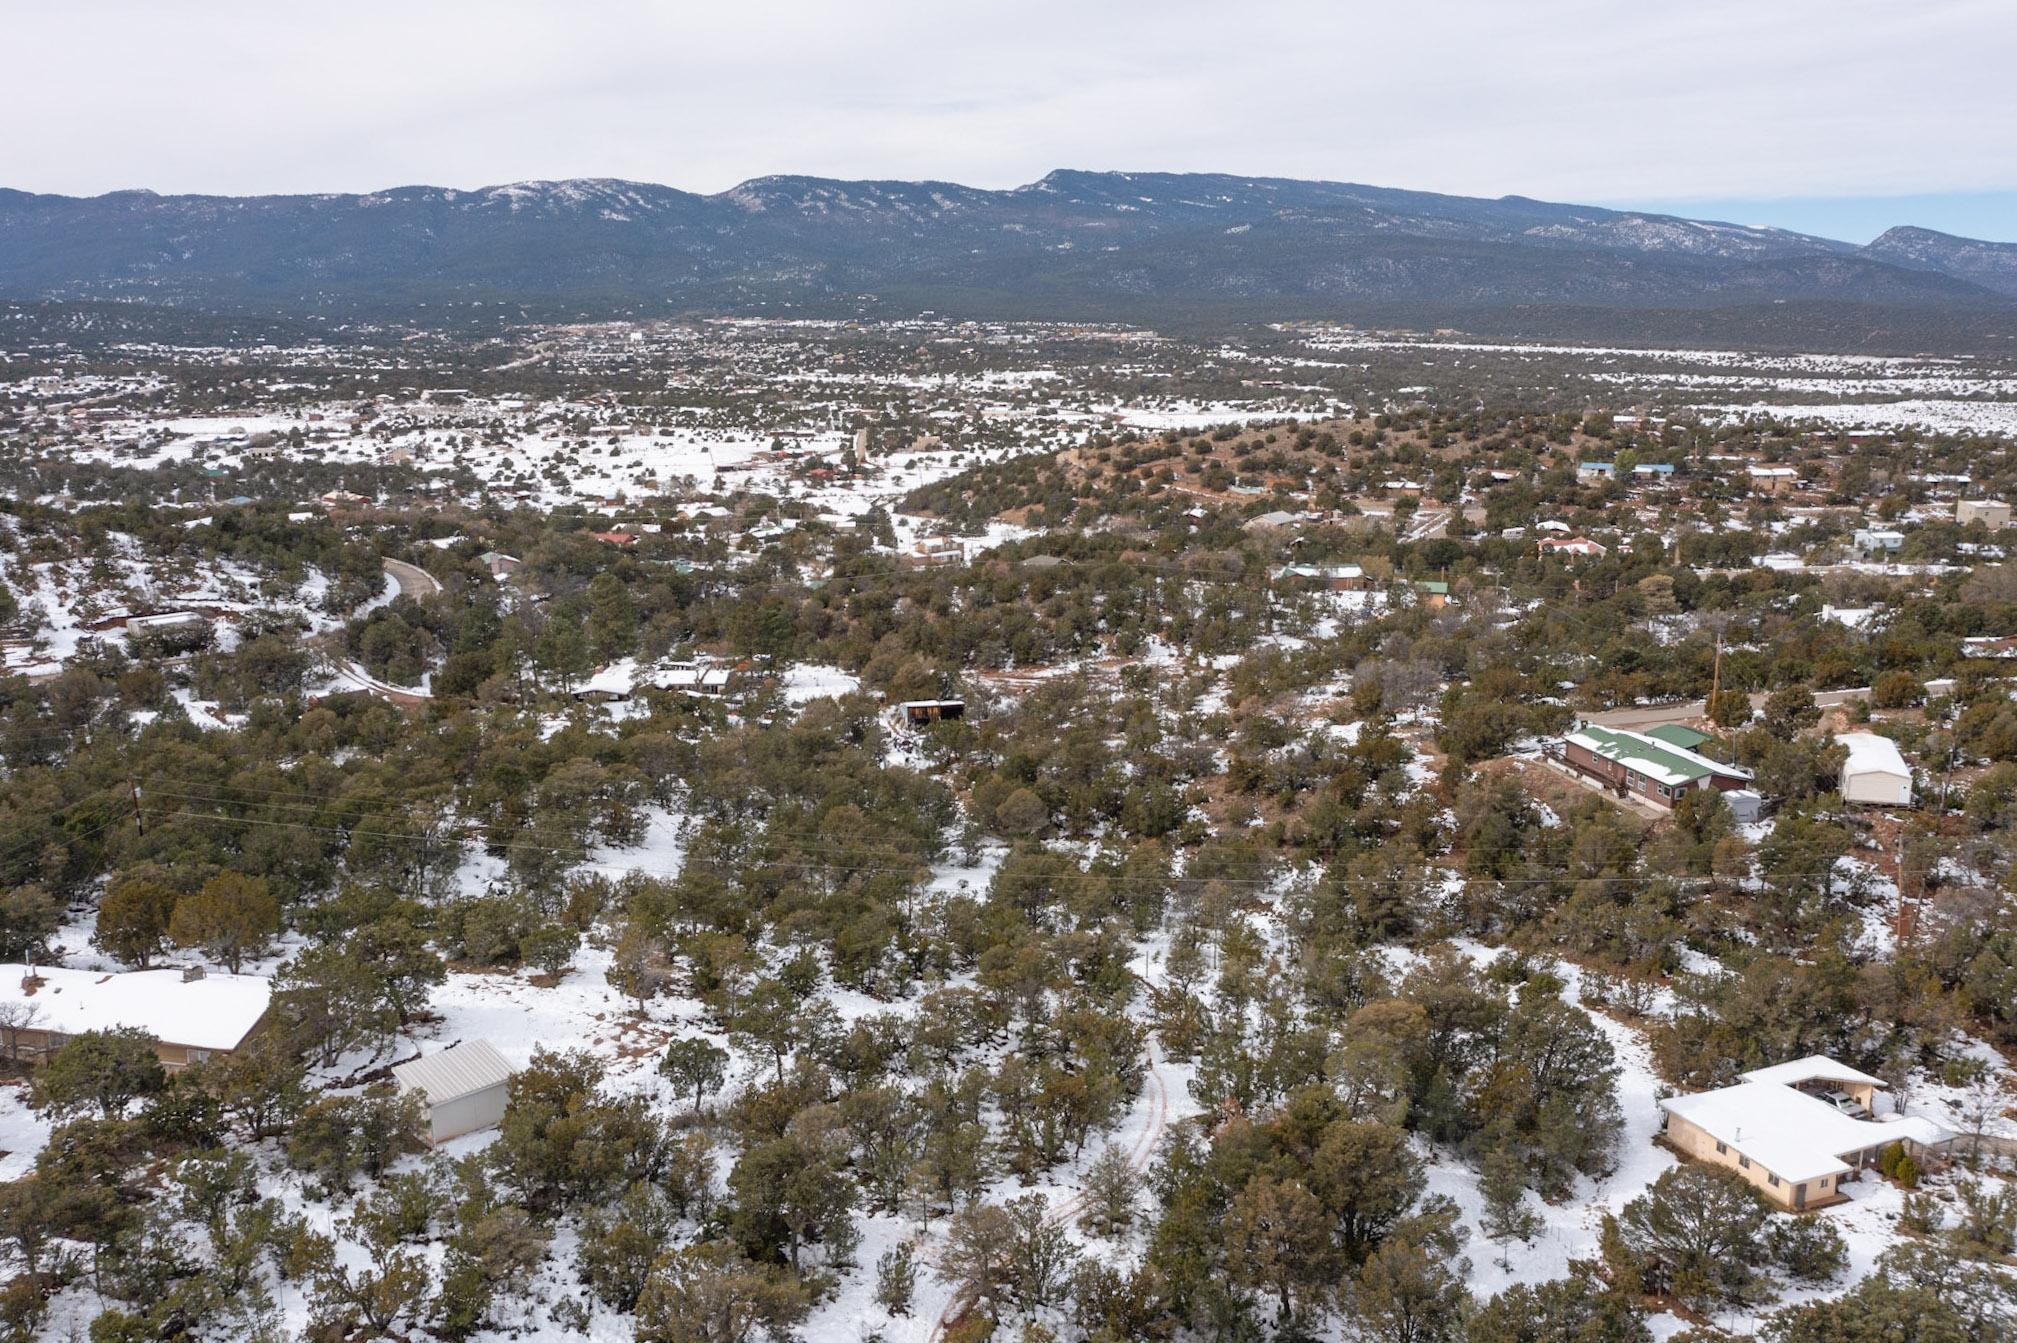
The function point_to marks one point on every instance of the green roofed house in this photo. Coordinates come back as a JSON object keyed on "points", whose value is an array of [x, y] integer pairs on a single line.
{"points": [[1656, 768]]}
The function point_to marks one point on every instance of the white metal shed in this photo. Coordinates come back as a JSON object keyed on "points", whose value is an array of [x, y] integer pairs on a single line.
{"points": [[463, 1088], [1875, 771]]}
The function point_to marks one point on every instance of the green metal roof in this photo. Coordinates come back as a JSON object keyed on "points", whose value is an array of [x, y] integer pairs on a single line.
{"points": [[1675, 734]]}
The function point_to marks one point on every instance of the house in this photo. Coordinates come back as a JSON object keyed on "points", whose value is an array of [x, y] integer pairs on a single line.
{"points": [[934, 551], [1595, 470], [1271, 522], [694, 679], [1572, 545], [612, 685], [1336, 577], [615, 538], [1797, 1131], [463, 1088], [1434, 593], [498, 563], [1988, 512], [191, 1014], [1774, 479], [1647, 766], [918, 712], [1874, 771], [1653, 470], [1876, 540]]}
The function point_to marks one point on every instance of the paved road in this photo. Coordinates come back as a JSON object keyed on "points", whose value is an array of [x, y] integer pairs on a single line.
{"points": [[1687, 710], [414, 581]]}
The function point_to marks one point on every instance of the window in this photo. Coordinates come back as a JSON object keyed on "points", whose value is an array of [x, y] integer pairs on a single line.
{"points": [[197, 1055], [1773, 1178], [1722, 1148], [1744, 1161]]}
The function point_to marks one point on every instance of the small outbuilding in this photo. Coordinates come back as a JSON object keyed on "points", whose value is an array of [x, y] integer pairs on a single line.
{"points": [[463, 1088], [1875, 771], [920, 712]]}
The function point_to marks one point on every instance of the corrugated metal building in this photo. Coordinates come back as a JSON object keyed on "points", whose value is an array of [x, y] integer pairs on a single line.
{"points": [[463, 1087]]}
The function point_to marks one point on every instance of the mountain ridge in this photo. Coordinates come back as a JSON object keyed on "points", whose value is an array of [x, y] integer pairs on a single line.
{"points": [[1074, 243]]}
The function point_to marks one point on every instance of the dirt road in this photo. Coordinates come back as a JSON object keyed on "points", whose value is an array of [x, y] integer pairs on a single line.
{"points": [[1687, 710], [414, 581]]}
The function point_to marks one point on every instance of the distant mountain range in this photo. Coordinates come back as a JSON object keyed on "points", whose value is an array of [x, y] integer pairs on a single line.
{"points": [[1141, 246]]}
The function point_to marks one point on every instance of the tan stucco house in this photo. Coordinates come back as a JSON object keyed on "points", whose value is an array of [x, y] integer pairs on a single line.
{"points": [[192, 1015], [1797, 1131]]}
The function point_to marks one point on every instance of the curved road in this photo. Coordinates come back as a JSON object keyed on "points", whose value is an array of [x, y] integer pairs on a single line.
{"points": [[414, 581]]}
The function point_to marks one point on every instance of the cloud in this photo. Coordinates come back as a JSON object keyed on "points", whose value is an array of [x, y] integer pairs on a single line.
{"points": [[1569, 99]]}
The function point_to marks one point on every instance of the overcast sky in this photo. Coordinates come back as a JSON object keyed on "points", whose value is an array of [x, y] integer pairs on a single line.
{"points": [[1798, 112]]}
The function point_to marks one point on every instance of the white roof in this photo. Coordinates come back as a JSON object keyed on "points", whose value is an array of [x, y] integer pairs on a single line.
{"points": [[1870, 753], [462, 1070], [1791, 1134], [215, 1012], [1813, 1068], [687, 678], [617, 678]]}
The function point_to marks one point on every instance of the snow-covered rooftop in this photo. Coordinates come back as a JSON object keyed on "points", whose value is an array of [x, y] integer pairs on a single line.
{"points": [[1796, 1136], [1870, 753], [216, 1011]]}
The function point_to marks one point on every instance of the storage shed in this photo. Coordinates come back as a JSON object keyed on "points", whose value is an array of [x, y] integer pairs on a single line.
{"points": [[1874, 772], [463, 1088]]}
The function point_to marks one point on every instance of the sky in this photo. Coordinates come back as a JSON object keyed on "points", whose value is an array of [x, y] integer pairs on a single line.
{"points": [[1833, 116]]}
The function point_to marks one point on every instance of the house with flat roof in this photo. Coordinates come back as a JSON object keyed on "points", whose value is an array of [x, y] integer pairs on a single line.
{"points": [[1336, 577], [1988, 512], [1797, 1131], [192, 1015], [1653, 767]]}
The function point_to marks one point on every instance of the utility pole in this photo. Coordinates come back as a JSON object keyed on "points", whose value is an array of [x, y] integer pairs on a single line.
{"points": [[1716, 688], [133, 789]]}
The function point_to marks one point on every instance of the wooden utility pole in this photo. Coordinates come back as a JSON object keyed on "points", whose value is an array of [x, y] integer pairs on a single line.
{"points": [[1715, 677]]}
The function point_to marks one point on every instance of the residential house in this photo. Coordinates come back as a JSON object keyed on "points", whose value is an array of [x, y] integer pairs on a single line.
{"points": [[1872, 541], [1797, 1131], [499, 564], [694, 679], [191, 1015], [1597, 470], [1988, 512], [1336, 577], [936, 551], [1874, 771], [1657, 768], [1272, 521], [1774, 479], [1570, 545]]}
